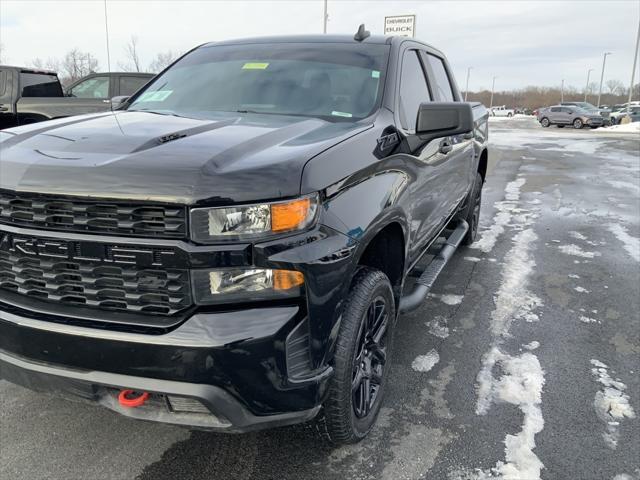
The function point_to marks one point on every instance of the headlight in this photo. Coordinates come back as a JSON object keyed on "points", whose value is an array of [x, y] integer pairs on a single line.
{"points": [[227, 285], [252, 221]]}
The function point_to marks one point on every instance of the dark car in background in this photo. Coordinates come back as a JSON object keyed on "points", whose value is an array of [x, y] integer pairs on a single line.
{"points": [[31, 95], [568, 115]]}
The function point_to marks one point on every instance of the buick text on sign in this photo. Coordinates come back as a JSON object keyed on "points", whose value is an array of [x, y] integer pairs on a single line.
{"points": [[403, 25]]}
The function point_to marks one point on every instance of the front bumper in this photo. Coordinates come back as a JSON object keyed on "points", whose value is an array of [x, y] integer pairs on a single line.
{"points": [[237, 378]]}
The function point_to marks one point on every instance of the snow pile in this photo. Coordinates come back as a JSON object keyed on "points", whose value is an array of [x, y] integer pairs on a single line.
{"points": [[424, 363], [532, 346], [631, 244], [633, 127], [611, 403]]}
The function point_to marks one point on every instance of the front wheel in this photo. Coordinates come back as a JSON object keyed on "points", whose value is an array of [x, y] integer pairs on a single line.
{"points": [[361, 360], [509, 114], [577, 124], [545, 122]]}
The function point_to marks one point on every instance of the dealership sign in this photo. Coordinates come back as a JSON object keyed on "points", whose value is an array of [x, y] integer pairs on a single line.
{"points": [[402, 25]]}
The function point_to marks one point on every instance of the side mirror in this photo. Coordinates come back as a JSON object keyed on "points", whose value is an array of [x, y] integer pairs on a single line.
{"points": [[442, 119], [119, 101]]}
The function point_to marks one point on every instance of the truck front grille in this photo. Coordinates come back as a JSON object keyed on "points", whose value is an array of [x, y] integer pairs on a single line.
{"points": [[92, 283], [92, 216]]}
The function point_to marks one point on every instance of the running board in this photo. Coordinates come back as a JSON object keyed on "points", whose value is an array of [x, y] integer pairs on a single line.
{"points": [[427, 279]]}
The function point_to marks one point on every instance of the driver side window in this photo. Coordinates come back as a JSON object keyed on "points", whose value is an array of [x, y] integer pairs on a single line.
{"points": [[95, 87], [413, 89]]}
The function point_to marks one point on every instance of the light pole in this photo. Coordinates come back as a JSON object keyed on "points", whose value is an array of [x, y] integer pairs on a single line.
{"points": [[325, 18], [493, 86], [562, 91], [466, 90], [586, 88], [604, 61]]}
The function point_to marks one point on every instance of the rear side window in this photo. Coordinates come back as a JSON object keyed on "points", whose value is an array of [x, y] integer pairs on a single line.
{"points": [[40, 85], [440, 83], [94, 87], [130, 85], [413, 89], [555, 109]]}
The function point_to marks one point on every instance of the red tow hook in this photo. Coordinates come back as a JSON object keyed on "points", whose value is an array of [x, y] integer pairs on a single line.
{"points": [[132, 399]]}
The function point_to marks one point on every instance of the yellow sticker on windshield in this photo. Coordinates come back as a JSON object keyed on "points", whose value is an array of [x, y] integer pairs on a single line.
{"points": [[255, 66]]}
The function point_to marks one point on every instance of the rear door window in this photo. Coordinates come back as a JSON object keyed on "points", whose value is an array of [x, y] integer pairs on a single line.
{"points": [[440, 83], [40, 85], [130, 84], [413, 89], [555, 109], [94, 87]]}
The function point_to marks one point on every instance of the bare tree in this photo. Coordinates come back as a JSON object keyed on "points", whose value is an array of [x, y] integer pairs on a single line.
{"points": [[162, 60], [48, 64], [131, 52], [77, 64], [615, 87]]}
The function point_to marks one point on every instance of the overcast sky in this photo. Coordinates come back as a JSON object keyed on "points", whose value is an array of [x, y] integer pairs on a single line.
{"points": [[521, 42]]}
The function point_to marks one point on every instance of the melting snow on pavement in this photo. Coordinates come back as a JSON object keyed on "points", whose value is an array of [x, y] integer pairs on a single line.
{"points": [[611, 403], [631, 244], [448, 298], [424, 363], [502, 218], [438, 327], [577, 251]]}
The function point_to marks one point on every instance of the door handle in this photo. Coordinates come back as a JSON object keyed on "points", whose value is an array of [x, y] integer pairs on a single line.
{"points": [[445, 147]]}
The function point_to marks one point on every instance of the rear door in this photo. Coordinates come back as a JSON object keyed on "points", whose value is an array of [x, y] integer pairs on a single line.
{"points": [[91, 94], [555, 115]]}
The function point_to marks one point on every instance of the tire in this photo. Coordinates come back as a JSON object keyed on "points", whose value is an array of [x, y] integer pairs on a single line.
{"points": [[545, 122], [577, 124], [509, 115], [472, 214], [362, 354]]}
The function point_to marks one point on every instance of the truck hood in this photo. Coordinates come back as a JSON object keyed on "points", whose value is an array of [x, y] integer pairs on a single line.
{"points": [[148, 156]]}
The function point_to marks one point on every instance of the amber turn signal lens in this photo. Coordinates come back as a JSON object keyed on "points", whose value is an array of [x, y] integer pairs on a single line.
{"points": [[289, 216], [287, 279]]}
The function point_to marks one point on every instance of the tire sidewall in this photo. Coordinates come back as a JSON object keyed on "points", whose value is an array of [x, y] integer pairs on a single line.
{"points": [[577, 124], [360, 297], [545, 122]]}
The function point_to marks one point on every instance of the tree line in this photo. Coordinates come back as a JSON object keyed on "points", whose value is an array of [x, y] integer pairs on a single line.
{"points": [[613, 93], [76, 63]]}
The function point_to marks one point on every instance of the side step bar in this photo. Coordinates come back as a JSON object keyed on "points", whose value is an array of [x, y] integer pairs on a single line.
{"points": [[427, 279]]}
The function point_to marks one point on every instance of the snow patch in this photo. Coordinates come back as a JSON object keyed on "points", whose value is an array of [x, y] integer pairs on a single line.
{"points": [[581, 289], [624, 185], [424, 363], [611, 403], [448, 298], [532, 345], [438, 327], [577, 235], [573, 275], [521, 385], [513, 301], [472, 259], [576, 251], [585, 319], [502, 218], [631, 244]]}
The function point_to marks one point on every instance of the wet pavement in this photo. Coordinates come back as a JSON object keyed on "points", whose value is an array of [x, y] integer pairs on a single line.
{"points": [[535, 329]]}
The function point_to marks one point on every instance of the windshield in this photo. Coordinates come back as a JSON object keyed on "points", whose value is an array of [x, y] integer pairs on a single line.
{"points": [[337, 82]]}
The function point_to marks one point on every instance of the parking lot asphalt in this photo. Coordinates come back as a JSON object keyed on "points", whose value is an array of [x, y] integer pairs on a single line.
{"points": [[534, 331]]}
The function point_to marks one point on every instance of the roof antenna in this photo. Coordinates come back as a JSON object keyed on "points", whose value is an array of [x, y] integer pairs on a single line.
{"points": [[361, 34]]}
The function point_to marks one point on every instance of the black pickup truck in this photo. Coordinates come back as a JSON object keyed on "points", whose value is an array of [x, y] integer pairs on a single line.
{"points": [[230, 250], [29, 95]]}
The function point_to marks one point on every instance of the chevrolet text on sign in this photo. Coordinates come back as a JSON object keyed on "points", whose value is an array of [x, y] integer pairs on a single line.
{"points": [[402, 25]]}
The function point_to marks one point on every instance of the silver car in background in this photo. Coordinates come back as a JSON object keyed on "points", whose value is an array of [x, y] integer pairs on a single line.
{"points": [[575, 116]]}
